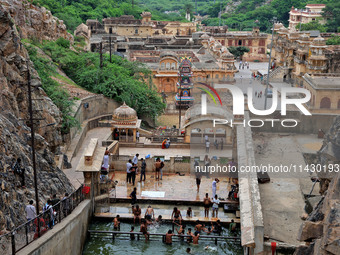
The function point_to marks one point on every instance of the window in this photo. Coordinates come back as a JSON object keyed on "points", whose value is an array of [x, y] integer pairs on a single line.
{"points": [[173, 66], [168, 65], [136, 31], [216, 76], [325, 103], [163, 65]]}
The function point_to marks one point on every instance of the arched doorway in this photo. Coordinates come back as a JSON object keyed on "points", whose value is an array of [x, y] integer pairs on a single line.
{"points": [[168, 85], [325, 103], [116, 134]]}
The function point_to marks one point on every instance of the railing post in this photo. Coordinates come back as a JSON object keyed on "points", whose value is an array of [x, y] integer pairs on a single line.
{"points": [[26, 232], [13, 243], [59, 211]]}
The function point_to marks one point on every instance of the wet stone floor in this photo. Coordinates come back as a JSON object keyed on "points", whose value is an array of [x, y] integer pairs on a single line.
{"points": [[172, 187]]}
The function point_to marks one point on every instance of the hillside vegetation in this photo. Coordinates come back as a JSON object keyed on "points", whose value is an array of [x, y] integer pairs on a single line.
{"points": [[121, 80], [237, 14]]}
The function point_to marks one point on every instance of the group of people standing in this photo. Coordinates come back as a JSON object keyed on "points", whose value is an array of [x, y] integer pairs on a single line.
{"points": [[53, 206], [217, 144], [243, 65], [132, 169]]}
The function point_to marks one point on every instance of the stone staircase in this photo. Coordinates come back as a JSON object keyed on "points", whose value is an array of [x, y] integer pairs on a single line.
{"points": [[277, 73]]}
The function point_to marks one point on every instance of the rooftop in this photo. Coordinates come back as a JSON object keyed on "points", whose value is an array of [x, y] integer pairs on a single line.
{"points": [[323, 81]]}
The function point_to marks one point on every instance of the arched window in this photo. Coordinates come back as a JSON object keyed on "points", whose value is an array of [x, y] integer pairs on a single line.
{"points": [[325, 103], [173, 66], [167, 65]]}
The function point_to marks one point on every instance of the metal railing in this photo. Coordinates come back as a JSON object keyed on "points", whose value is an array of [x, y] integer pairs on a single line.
{"points": [[23, 235], [115, 234]]}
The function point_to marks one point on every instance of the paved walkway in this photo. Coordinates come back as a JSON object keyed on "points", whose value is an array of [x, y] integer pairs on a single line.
{"points": [[282, 199], [175, 152], [77, 178]]}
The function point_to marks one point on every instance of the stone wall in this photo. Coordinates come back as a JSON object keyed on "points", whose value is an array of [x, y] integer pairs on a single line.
{"points": [[88, 112], [68, 237], [15, 133], [321, 229], [35, 22]]}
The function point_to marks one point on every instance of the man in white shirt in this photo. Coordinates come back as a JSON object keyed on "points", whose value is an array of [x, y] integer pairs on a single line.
{"points": [[137, 136], [214, 186], [207, 146], [216, 202], [30, 211], [128, 172], [135, 161]]}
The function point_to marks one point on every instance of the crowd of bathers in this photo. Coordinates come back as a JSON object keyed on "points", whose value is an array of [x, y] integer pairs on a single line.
{"points": [[189, 235]]}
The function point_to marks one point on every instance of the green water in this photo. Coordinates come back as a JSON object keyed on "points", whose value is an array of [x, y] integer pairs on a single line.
{"points": [[106, 246]]}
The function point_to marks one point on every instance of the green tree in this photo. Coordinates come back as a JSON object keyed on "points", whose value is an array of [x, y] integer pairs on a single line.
{"points": [[238, 51], [334, 40], [314, 25], [332, 15]]}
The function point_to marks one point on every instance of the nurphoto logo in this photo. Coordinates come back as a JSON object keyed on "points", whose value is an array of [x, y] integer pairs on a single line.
{"points": [[238, 105]]}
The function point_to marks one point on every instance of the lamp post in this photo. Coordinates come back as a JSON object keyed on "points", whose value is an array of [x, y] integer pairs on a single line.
{"points": [[30, 109], [269, 64]]}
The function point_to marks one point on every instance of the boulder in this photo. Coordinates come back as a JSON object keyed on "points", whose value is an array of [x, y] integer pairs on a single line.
{"points": [[310, 230]]}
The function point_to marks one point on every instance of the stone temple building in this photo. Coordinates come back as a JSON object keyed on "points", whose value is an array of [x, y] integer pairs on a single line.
{"points": [[212, 63], [125, 124], [128, 25], [254, 40], [304, 60]]}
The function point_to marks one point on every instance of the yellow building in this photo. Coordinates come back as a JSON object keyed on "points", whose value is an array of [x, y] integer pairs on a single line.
{"points": [[297, 53], [127, 25], [254, 40], [213, 63], [325, 92]]}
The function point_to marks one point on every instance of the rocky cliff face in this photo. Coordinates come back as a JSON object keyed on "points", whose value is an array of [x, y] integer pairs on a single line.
{"points": [[35, 22], [321, 230], [14, 132]]}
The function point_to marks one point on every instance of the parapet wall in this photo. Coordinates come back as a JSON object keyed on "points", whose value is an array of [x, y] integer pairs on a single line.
{"points": [[68, 237], [252, 227], [91, 107]]}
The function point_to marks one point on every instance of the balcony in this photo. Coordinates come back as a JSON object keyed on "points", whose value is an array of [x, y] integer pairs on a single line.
{"points": [[317, 68]]}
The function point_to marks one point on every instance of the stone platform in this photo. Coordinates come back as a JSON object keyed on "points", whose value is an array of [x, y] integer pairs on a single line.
{"points": [[172, 189], [124, 210]]}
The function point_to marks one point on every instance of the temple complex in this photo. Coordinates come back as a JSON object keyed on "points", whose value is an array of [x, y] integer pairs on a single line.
{"points": [[211, 63], [304, 60]]}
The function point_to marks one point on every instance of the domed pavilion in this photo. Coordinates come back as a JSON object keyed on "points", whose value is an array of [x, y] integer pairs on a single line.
{"points": [[124, 124]]}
